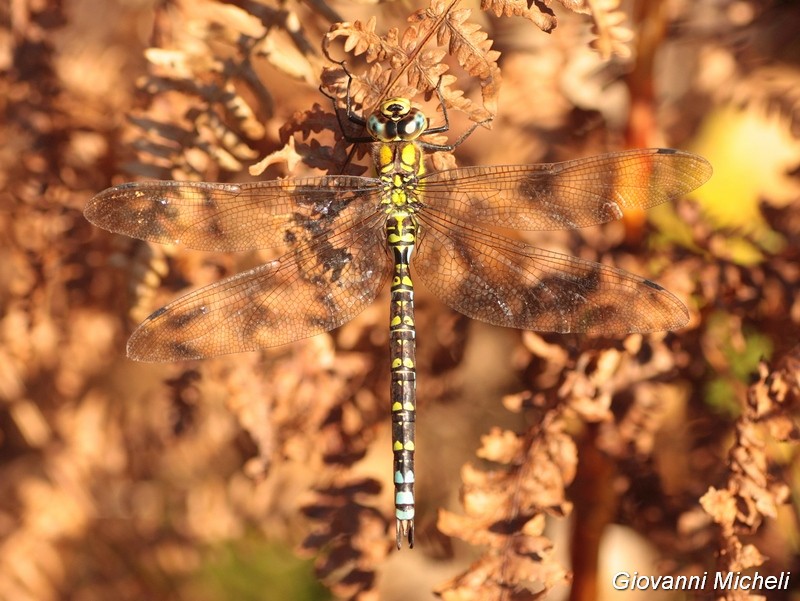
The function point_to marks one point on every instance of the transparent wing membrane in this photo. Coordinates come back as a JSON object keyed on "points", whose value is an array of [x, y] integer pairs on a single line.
{"points": [[566, 195], [316, 288], [233, 217], [512, 284]]}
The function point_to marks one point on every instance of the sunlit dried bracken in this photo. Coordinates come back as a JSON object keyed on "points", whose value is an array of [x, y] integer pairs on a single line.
{"points": [[130, 482]]}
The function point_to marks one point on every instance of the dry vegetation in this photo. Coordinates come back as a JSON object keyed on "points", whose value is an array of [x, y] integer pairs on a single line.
{"points": [[138, 481]]}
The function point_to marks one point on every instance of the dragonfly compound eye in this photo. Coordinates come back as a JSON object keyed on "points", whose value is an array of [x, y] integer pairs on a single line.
{"points": [[377, 127], [412, 126]]}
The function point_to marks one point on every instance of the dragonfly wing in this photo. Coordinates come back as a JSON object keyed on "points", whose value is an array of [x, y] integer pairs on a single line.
{"points": [[512, 284], [316, 287], [232, 217], [553, 196]]}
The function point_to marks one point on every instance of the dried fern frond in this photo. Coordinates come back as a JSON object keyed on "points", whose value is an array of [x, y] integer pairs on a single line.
{"points": [[507, 505], [537, 13], [215, 90], [169, 470], [506, 512], [412, 62], [752, 492], [613, 36]]}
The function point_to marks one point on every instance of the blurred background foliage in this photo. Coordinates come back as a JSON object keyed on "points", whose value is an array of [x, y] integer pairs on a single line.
{"points": [[673, 453]]}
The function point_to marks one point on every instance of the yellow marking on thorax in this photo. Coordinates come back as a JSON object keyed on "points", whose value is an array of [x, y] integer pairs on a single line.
{"points": [[410, 157], [386, 158], [399, 165]]}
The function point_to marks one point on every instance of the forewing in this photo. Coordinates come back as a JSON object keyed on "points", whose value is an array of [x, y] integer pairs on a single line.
{"points": [[232, 217], [579, 193], [316, 287], [512, 284]]}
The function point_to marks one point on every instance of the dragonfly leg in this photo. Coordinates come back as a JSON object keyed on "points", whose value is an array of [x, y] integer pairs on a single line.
{"points": [[352, 116], [441, 128], [446, 127]]}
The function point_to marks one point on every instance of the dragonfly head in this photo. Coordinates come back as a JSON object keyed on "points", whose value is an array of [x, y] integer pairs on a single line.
{"points": [[396, 120]]}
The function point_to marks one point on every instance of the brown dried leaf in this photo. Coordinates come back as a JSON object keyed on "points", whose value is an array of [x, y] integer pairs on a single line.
{"points": [[287, 155], [497, 577], [505, 510], [501, 446], [537, 13], [613, 36], [721, 506]]}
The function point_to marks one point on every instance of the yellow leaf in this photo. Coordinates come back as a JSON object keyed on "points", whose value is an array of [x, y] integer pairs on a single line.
{"points": [[752, 153]]}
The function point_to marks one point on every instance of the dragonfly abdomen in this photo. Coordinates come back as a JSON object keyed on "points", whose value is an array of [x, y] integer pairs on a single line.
{"points": [[401, 232]]}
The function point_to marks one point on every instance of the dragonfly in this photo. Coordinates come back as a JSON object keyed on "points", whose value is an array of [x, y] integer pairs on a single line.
{"points": [[340, 239]]}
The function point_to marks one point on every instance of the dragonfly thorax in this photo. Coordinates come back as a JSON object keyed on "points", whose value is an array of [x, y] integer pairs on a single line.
{"points": [[396, 120]]}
